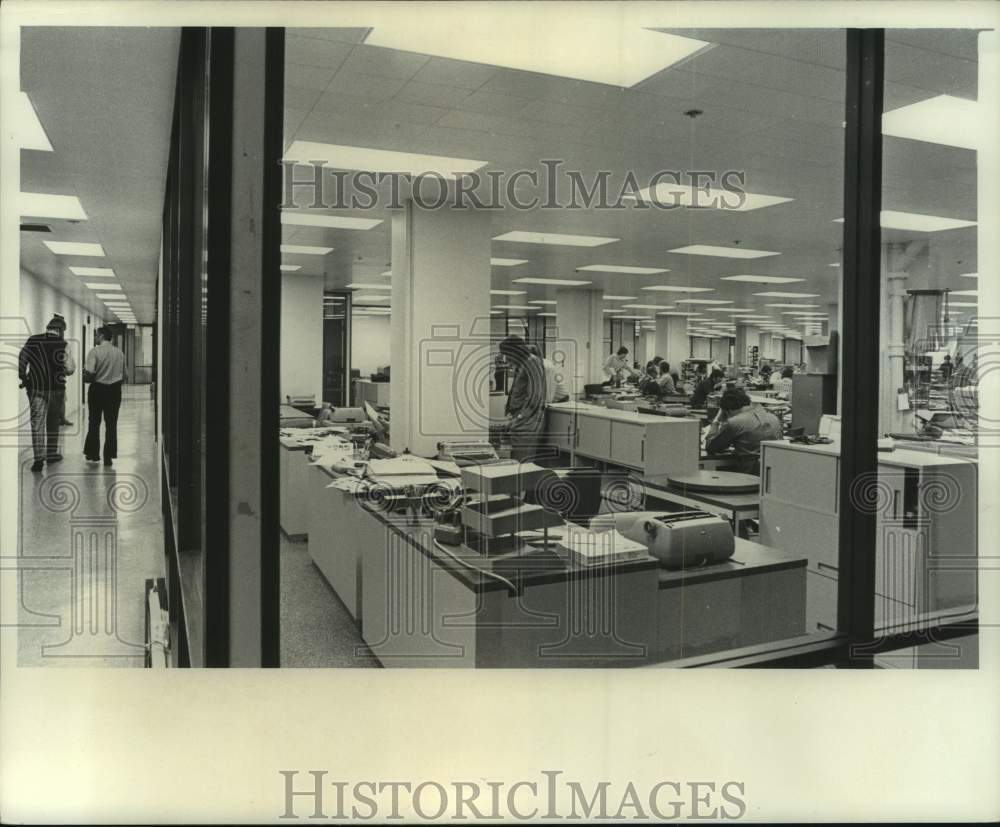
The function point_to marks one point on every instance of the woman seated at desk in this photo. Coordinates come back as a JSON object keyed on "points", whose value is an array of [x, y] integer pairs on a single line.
{"points": [[743, 425], [665, 380], [784, 385]]}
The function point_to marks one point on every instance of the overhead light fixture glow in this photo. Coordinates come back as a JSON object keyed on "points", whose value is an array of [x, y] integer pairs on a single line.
{"points": [[514, 40], [784, 304], [668, 194], [649, 306], [96, 285], [514, 307], [360, 285], [305, 250], [673, 288], [368, 159], [554, 282], [917, 222], [618, 298], [963, 293], [969, 275], [507, 262], [542, 301], [558, 239], [942, 119], [386, 273], [290, 268], [29, 129], [74, 248], [963, 304], [97, 272], [629, 316], [729, 309], [762, 279], [615, 268], [43, 205], [547, 314], [371, 297], [677, 313], [109, 295], [777, 294], [335, 222], [508, 292], [722, 252], [703, 301]]}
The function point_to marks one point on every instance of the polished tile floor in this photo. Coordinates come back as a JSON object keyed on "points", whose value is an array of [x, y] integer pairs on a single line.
{"points": [[90, 536]]}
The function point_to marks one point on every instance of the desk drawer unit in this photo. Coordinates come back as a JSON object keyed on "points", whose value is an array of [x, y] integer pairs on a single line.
{"points": [[593, 436], [559, 429]]}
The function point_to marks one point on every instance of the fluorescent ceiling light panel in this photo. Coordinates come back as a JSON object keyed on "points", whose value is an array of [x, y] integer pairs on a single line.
{"points": [[511, 38], [109, 295], [97, 285], [969, 276], [917, 222], [777, 294], [671, 288], [729, 309], [507, 262], [305, 250], [687, 195], [368, 159], [508, 292], [336, 222], [618, 298], [559, 239], [360, 285], [614, 268], [964, 293], [722, 252], [386, 273], [943, 119], [514, 307], [762, 279], [74, 248], [649, 306], [704, 301], [555, 282], [290, 268], [42, 205], [782, 304], [677, 313], [547, 314], [30, 133], [629, 316], [97, 272], [963, 304], [542, 301]]}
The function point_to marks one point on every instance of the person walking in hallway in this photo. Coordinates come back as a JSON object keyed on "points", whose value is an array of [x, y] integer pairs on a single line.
{"points": [[59, 396], [104, 368], [42, 366]]}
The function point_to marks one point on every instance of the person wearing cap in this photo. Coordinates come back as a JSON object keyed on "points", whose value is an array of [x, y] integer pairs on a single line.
{"points": [[42, 367], [104, 368]]}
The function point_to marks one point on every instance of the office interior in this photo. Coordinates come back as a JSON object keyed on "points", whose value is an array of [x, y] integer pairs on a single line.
{"points": [[326, 396]]}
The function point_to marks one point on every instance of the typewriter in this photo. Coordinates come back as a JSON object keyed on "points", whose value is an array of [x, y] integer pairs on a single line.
{"points": [[467, 453]]}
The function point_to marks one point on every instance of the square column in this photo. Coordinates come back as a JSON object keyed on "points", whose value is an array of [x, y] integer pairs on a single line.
{"points": [[672, 342], [580, 337], [747, 336], [440, 354]]}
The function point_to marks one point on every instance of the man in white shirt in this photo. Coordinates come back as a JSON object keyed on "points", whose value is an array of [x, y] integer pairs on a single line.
{"points": [[104, 368]]}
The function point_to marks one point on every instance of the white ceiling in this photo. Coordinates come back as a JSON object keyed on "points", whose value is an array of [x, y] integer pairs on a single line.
{"points": [[105, 99], [773, 104]]}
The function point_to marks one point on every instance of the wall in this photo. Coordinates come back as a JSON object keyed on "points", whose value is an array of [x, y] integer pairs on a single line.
{"points": [[369, 343], [301, 336], [39, 301]]}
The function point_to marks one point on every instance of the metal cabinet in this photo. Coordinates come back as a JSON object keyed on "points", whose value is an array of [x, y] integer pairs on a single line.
{"points": [[593, 436], [628, 444], [560, 429]]}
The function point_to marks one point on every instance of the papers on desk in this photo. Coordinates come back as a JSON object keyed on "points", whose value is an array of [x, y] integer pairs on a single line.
{"points": [[595, 548]]}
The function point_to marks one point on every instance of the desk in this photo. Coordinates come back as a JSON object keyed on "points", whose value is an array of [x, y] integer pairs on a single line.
{"points": [[736, 508], [333, 516], [293, 468]]}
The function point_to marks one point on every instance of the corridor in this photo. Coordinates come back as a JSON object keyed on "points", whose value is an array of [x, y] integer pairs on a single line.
{"points": [[90, 537]]}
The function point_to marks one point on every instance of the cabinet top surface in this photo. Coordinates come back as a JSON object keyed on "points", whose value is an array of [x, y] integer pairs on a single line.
{"points": [[630, 417], [899, 456]]}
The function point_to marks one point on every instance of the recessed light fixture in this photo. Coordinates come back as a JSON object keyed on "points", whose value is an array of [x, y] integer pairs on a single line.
{"points": [[704, 301], [722, 252], [686, 195], [96, 285], [542, 301], [74, 248], [729, 309], [290, 268], [613, 309], [98, 272], [360, 285], [942, 119], [507, 262], [305, 250], [508, 292], [386, 273], [336, 222], [109, 295], [963, 304], [559, 239], [514, 307], [618, 298], [649, 306], [367, 159], [630, 316], [554, 282], [671, 288], [777, 294], [677, 313], [762, 279], [514, 40], [783, 304], [963, 293], [547, 314], [833, 264], [969, 275], [43, 205], [917, 222], [30, 133], [615, 268]]}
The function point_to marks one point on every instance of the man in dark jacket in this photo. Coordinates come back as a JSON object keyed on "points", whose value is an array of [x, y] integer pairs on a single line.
{"points": [[743, 425], [526, 404], [42, 366]]}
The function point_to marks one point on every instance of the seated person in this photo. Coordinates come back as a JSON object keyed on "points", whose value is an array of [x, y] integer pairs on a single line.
{"points": [[705, 386], [665, 380], [678, 387], [743, 425], [649, 384], [325, 415], [784, 385]]}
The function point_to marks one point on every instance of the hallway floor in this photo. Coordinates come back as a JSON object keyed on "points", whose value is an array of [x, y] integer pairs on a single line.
{"points": [[90, 536]]}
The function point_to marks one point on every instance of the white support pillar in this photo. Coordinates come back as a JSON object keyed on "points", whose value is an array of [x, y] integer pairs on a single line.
{"points": [[672, 342], [747, 336], [720, 350], [440, 343], [580, 336]]}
